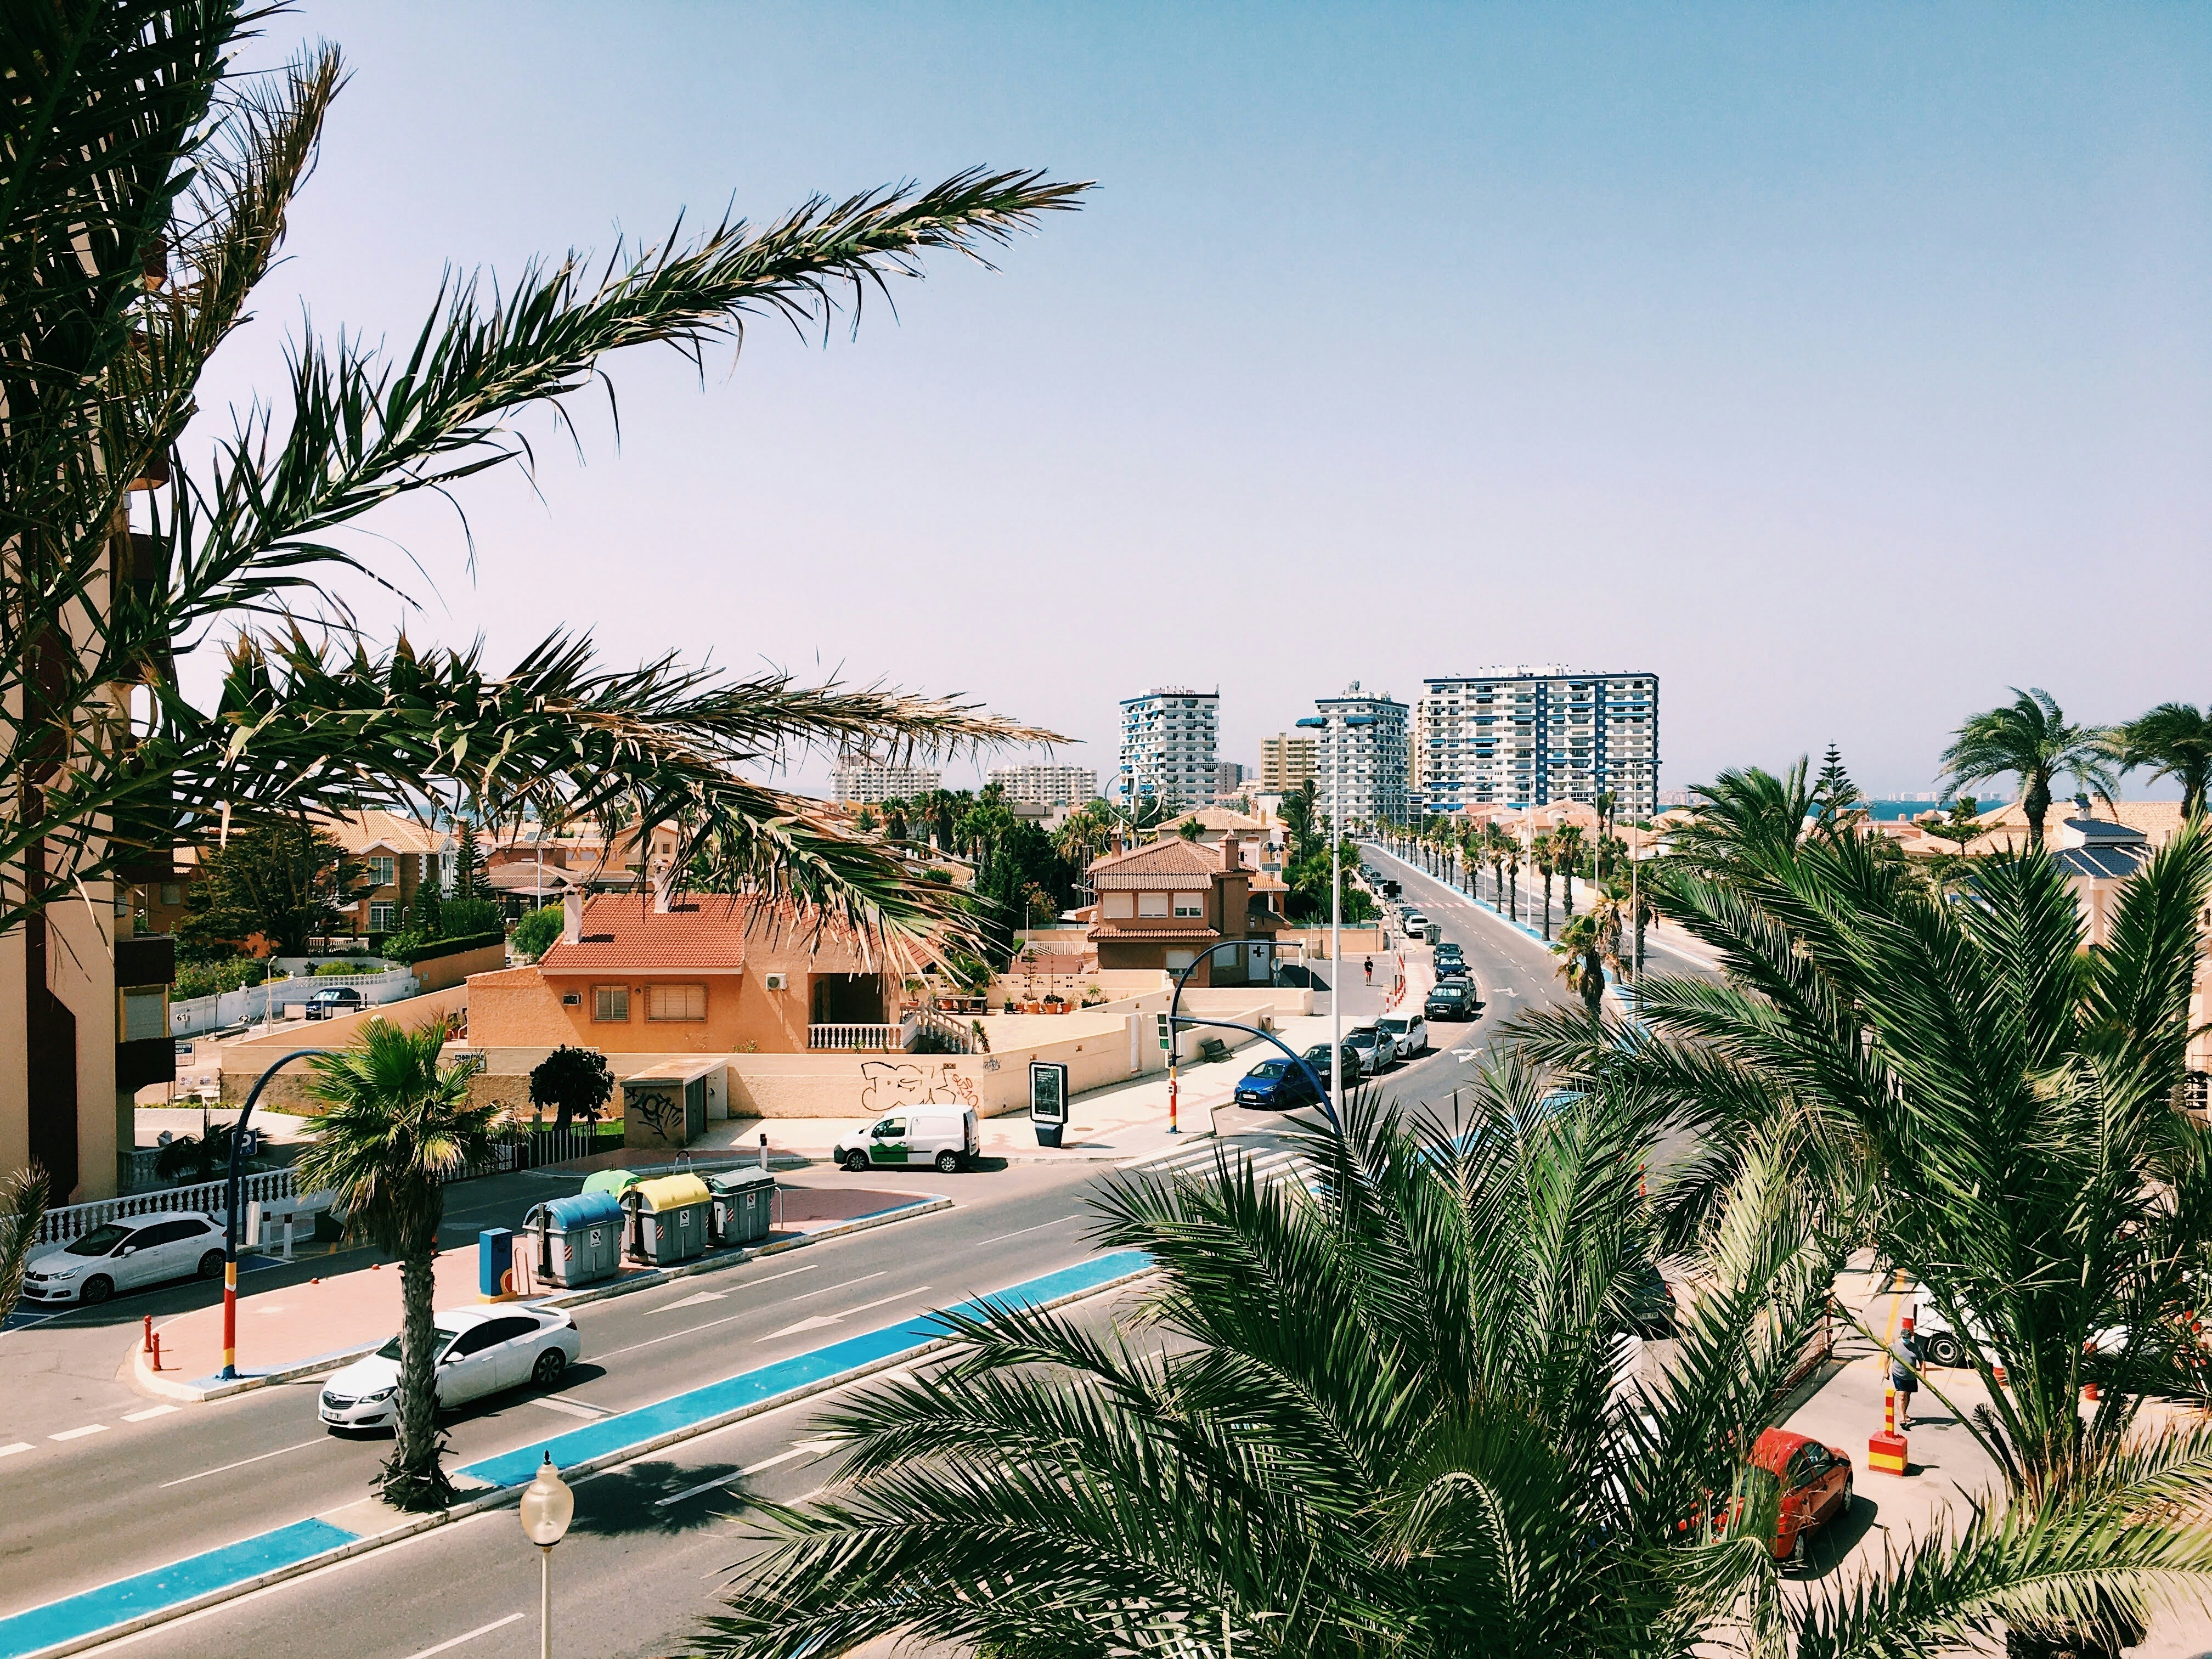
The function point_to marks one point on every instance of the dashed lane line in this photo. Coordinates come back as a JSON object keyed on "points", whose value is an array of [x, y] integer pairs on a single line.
{"points": [[79, 1434]]}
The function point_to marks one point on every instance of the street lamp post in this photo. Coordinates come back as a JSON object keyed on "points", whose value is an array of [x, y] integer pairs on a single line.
{"points": [[548, 1506], [232, 1215], [1336, 888]]}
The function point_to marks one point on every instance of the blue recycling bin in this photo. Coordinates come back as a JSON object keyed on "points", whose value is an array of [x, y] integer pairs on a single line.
{"points": [[578, 1240]]}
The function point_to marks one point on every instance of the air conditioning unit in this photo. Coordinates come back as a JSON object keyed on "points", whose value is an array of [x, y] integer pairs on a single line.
{"points": [[777, 982]]}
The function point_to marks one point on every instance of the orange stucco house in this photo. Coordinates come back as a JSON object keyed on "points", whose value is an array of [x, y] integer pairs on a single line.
{"points": [[711, 974]]}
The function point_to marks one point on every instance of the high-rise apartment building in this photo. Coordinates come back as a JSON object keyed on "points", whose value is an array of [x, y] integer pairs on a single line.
{"points": [[1047, 786], [1362, 767], [1168, 738], [1229, 780], [1287, 760], [1523, 736], [870, 781]]}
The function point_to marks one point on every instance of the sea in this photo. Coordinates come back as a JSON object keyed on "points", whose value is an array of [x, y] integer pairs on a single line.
{"points": [[1914, 807]]}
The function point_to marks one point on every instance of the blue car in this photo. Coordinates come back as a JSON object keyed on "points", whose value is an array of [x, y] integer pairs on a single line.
{"points": [[1278, 1085]]}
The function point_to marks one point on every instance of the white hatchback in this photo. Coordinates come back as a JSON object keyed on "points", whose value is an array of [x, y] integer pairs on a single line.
{"points": [[123, 1255], [480, 1351]]}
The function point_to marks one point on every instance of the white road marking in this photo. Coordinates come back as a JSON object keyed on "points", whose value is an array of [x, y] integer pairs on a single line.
{"points": [[9, 1451], [671, 1337], [884, 1301], [151, 1411], [846, 1286], [805, 1267], [818, 1448], [813, 1324], [687, 1301], [820, 1320], [79, 1434], [467, 1636], [1018, 1231], [298, 1445], [573, 1408]]}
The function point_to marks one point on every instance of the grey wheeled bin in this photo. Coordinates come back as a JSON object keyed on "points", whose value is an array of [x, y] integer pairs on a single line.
{"points": [[578, 1240], [668, 1219], [744, 1201]]}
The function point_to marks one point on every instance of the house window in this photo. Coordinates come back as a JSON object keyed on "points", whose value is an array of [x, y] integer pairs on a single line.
{"points": [[383, 872], [611, 1004], [379, 918], [675, 1002], [1152, 904], [173, 892], [1190, 904], [1119, 907], [145, 1013]]}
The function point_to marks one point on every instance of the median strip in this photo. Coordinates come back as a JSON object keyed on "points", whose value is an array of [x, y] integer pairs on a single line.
{"points": [[218, 1575]]}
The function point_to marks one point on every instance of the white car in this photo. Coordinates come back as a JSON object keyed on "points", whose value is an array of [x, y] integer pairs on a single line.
{"points": [[1408, 1034], [1416, 925], [124, 1255], [481, 1351]]}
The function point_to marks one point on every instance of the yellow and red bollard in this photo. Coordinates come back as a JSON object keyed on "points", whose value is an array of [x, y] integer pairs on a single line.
{"points": [[1886, 1450]]}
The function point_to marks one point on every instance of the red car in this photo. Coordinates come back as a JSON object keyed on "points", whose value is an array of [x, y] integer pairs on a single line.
{"points": [[1816, 1486]]}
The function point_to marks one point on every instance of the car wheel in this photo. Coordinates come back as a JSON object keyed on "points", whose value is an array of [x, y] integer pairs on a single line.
{"points": [[1945, 1349], [1845, 1507], [211, 1264], [856, 1161], [97, 1289], [947, 1162], [1799, 1550], [547, 1371]]}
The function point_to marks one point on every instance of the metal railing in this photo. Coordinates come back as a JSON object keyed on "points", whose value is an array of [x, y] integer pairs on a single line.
{"points": [[542, 1147], [856, 1038]]}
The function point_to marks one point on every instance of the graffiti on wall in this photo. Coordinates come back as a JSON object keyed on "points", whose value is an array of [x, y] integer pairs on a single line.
{"points": [[660, 1112], [888, 1085]]}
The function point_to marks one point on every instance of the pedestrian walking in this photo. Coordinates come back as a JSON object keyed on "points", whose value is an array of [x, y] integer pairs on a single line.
{"points": [[1903, 1375], [1370, 966]]}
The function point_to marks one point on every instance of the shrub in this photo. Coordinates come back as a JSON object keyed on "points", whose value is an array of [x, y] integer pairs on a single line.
{"points": [[535, 934], [462, 917], [336, 967], [207, 979], [577, 1081], [412, 951]]}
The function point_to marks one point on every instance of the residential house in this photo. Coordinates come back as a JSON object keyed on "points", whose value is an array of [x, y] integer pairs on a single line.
{"points": [[1163, 905], [402, 853]]}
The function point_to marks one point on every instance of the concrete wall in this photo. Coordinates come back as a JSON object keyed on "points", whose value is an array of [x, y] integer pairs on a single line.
{"points": [[521, 1007], [244, 1059], [442, 973]]}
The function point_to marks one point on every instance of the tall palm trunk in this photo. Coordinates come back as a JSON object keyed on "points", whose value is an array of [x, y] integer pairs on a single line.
{"points": [[413, 1478], [2035, 803], [1546, 870]]}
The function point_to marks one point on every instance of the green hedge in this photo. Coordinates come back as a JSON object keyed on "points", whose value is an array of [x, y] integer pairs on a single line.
{"points": [[445, 947]]}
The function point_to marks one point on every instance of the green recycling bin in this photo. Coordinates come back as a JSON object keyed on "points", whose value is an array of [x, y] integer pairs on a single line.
{"points": [[744, 1202], [613, 1182], [668, 1219]]}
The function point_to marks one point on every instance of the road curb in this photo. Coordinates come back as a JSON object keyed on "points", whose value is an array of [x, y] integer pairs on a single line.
{"points": [[148, 1381], [497, 1497]]}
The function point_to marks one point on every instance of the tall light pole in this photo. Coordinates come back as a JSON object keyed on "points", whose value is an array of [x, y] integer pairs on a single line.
{"points": [[547, 1508], [1336, 889]]}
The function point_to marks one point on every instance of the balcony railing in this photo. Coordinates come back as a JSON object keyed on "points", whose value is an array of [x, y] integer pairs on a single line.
{"points": [[855, 1038]]}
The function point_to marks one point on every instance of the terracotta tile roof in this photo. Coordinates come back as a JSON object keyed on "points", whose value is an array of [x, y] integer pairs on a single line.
{"points": [[357, 832], [1157, 864], [1110, 932], [706, 932]]}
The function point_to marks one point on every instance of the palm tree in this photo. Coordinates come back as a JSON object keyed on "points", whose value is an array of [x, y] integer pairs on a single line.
{"points": [[1084, 833], [1746, 813], [1496, 846], [1394, 1417], [1540, 855], [1583, 949], [1190, 828], [1981, 1093], [2174, 740], [152, 183], [22, 1209], [2031, 739], [1567, 848], [397, 1126]]}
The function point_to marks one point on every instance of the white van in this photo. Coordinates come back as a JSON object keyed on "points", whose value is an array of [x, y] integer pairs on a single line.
{"points": [[945, 1136]]}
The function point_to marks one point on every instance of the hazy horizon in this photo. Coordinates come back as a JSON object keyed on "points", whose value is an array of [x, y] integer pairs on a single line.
{"points": [[1843, 365]]}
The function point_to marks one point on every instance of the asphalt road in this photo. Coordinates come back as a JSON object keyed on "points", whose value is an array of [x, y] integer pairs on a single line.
{"points": [[133, 1495]]}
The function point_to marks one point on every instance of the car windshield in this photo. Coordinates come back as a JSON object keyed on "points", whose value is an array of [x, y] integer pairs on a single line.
{"points": [[1395, 1025], [439, 1337], [100, 1240], [1271, 1068]]}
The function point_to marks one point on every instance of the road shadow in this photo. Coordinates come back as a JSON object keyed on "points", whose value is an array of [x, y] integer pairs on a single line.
{"points": [[1828, 1547], [656, 1498]]}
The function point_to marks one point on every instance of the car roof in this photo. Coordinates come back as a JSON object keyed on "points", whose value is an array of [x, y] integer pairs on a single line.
{"points": [[153, 1216], [1774, 1449]]}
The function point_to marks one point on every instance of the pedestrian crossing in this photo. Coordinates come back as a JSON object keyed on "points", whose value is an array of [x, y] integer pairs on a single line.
{"points": [[1198, 1163]]}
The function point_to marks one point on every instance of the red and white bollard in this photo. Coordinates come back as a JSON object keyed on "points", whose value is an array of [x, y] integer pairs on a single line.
{"points": [[1886, 1450]]}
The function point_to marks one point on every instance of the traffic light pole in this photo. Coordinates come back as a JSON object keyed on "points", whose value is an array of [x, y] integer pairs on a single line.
{"points": [[232, 1216]]}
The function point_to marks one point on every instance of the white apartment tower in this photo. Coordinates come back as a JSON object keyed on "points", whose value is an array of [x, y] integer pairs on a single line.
{"points": [[1167, 738], [1367, 763], [870, 781], [1047, 786], [1523, 736]]}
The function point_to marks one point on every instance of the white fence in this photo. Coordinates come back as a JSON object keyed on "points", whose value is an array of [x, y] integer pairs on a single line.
{"points": [[862, 1038], [265, 1187], [194, 1015]]}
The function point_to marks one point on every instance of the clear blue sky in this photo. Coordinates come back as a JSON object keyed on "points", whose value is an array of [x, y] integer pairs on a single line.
{"points": [[1845, 365]]}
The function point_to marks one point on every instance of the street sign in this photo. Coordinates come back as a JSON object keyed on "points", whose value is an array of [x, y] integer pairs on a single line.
{"points": [[1048, 1091], [1167, 1038]]}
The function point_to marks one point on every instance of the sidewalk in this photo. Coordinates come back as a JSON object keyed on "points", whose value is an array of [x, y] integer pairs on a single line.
{"points": [[294, 1330]]}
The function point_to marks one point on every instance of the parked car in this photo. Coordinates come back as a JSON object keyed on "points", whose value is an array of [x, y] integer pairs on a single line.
{"points": [[1443, 950], [481, 1351], [1451, 999], [1375, 1051], [1278, 1085], [1816, 1487], [1317, 1057], [126, 1255], [1415, 924], [1652, 1305], [945, 1136], [335, 999], [1409, 1032]]}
